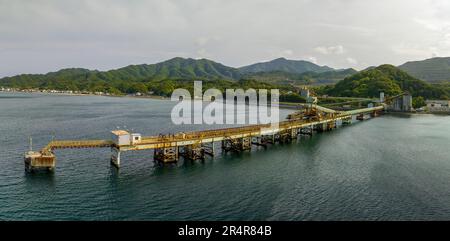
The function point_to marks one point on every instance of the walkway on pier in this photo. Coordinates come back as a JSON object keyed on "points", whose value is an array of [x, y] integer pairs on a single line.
{"points": [[195, 144]]}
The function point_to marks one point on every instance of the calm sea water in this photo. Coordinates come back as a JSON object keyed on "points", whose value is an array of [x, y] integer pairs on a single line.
{"points": [[388, 168]]}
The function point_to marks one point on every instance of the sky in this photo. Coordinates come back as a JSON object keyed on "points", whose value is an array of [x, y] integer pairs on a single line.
{"points": [[45, 35]]}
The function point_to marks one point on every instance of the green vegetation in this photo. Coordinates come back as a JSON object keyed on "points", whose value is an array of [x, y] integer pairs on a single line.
{"points": [[432, 70], [130, 79], [292, 97], [418, 102], [306, 78], [162, 78], [387, 79], [285, 65]]}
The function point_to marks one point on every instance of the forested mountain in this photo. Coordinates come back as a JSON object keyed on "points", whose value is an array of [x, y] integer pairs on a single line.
{"points": [[388, 79], [286, 65], [306, 78], [432, 70], [162, 77]]}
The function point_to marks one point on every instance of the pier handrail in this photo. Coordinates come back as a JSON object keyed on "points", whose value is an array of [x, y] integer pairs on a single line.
{"points": [[62, 144]]}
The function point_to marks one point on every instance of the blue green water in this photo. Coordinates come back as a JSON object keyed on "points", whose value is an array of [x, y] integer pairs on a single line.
{"points": [[387, 168]]}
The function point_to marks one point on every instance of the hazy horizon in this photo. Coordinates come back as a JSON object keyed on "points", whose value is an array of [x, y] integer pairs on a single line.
{"points": [[45, 36]]}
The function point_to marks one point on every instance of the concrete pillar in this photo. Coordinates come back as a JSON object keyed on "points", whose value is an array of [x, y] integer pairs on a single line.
{"points": [[115, 157]]}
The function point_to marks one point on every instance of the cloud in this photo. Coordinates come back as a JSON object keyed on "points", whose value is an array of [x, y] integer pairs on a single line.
{"points": [[338, 49], [351, 61], [46, 35]]}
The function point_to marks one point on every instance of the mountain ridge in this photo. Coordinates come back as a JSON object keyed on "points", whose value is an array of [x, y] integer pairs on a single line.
{"points": [[388, 79], [433, 70], [176, 68], [283, 64]]}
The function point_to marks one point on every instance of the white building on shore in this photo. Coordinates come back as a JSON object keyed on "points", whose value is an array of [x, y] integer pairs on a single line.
{"points": [[438, 105]]}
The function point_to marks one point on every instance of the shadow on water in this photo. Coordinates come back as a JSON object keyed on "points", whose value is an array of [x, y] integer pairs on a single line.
{"points": [[40, 178], [114, 173]]}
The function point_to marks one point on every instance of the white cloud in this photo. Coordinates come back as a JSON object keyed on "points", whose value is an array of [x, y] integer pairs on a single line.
{"points": [[338, 49], [45, 35], [351, 61]]}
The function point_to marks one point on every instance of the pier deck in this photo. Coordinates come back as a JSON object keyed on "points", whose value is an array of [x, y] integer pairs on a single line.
{"points": [[195, 144]]}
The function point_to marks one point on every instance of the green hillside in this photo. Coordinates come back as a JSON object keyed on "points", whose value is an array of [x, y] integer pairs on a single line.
{"points": [[307, 78], [285, 65], [176, 68], [130, 79], [388, 79], [432, 70], [165, 76], [162, 78]]}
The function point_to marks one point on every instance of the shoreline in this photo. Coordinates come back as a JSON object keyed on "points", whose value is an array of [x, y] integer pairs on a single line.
{"points": [[282, 105]]}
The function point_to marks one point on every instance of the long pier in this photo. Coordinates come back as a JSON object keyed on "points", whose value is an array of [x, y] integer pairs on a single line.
{"points": [[197, 144]]}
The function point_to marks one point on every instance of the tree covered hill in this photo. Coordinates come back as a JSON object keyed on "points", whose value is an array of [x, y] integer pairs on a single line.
{"points": [[130, 79], [162, 78], [176, 68], [306, 78], [285, 65], [388, 79], [144, 77], [432, 70]]}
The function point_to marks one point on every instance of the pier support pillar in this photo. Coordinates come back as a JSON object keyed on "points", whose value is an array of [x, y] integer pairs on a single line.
{"points": [[331, 125], [347, 121], [166, 154], [308, 131], [237, 144], [284, 136], [294, 133], [115, 157], [193, 152], [208, 149], [262, 140], [321, 127]]}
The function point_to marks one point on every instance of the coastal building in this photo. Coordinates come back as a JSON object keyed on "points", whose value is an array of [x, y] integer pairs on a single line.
{"points": [[438, 105], [121, 137], [125, 138], [136, 138]]}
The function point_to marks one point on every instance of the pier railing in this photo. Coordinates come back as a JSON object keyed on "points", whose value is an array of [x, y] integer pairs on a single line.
{"points": [[77, 144]]}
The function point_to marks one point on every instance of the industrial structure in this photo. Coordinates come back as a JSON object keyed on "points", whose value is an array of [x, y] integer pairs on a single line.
{"points": [[438, 106], [400, 103], [198, 144]]}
